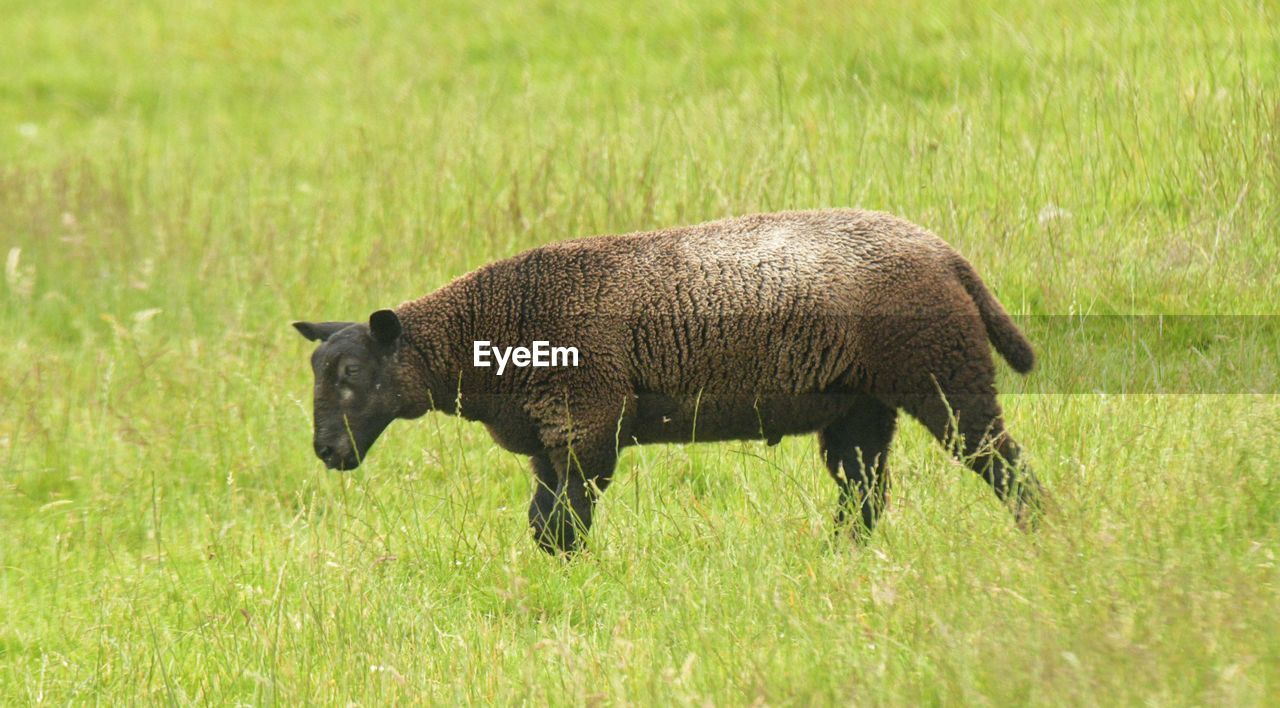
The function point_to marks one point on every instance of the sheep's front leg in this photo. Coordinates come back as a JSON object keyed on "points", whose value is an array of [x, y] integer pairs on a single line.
{"points": [[545, 493], [569, 481]]}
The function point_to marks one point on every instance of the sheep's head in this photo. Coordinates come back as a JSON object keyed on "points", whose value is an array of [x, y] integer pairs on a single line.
{"points": [[358, 385]]}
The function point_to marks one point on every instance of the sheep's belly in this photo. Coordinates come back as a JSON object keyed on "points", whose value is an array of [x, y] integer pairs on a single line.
{"points": [[662, 418]]}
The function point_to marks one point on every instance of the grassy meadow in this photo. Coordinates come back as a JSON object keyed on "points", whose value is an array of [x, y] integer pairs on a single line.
{"points": [[180, 180]]}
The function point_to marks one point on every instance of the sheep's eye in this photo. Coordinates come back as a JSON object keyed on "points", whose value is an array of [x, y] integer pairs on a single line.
{"points": [[350, 370]]}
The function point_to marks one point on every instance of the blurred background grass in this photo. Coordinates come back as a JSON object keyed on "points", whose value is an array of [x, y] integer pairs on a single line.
{"points": [[180, 180]]}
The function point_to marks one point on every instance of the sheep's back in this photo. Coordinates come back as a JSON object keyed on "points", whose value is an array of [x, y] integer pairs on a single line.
{"points": [[776, 303]]}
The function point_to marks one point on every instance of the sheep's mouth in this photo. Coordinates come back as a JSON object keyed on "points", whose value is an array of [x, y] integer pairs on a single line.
{"points": [[348, 451], [341, 463], [337, 458]]}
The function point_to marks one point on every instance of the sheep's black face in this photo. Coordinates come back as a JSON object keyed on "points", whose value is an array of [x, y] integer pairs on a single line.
{"points": [[357, 391]]}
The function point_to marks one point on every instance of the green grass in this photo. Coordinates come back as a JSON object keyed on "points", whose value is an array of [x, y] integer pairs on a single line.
{"points": [[183, 179]]}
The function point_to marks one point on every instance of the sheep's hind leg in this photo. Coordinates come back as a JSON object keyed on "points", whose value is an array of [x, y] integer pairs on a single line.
{"points": [[855, 448], [971, 427]]}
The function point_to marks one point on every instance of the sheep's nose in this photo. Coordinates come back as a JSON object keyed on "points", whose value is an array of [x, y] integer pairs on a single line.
{"points": [[324, 452]]}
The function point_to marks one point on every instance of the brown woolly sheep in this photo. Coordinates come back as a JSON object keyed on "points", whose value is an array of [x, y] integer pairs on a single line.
{"points": [[748, 328]]}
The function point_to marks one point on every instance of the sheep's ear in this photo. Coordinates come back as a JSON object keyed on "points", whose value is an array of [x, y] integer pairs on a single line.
{"points": [[320, 331], [385, 327]]}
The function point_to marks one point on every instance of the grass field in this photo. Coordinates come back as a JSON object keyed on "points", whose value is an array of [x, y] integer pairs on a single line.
{"points": [[180, 180]]}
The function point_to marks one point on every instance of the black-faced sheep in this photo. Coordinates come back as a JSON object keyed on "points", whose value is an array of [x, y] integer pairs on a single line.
{"points": [[748, 328]]}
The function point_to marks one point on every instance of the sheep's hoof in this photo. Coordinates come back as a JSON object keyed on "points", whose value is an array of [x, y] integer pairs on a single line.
{"points": [[849, 525], [557, 539], [1029, 516]]}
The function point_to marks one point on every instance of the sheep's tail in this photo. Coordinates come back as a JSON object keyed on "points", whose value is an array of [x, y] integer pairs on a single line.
{"points": [[1004, 334]]}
